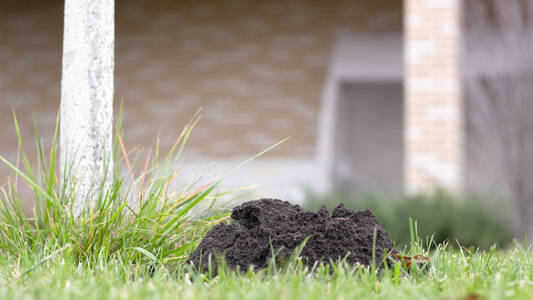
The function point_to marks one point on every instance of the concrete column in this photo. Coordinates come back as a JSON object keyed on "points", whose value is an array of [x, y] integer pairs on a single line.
{"points": [[87, 97], [433, 102]]}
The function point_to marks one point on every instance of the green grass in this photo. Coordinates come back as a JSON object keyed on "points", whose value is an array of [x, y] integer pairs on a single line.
{"points": [[451, 275], [132, 243]]}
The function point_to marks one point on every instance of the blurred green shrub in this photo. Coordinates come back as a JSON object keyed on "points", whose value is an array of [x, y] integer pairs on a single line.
{"points": [[470, 221]]}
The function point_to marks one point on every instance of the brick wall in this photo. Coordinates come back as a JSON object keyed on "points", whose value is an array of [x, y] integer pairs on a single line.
{"points": [[256, 67]]}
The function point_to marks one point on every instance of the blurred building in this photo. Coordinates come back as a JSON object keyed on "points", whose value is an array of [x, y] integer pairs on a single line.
{"points": [[368, 90]]}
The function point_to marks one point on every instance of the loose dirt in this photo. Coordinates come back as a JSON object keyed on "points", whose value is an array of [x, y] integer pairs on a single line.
{"points": [[269, 225]]}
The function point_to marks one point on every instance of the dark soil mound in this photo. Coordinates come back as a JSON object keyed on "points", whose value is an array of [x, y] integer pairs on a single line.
{"points": [[268, 224]]}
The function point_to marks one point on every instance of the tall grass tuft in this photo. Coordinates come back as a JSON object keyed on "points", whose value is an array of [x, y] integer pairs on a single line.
{"points": [[141, 217]]}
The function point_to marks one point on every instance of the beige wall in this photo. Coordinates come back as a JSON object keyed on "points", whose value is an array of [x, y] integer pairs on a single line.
{"points": [[257, 68]]}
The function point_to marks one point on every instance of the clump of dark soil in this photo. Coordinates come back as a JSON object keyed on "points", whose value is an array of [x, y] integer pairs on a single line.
{"points": [[267, 225]]}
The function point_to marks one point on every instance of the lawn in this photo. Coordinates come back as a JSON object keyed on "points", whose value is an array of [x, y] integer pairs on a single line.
{"points": [[451, 275]]}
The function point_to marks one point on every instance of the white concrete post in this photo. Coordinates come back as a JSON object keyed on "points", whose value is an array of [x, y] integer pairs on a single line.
{"points": [[87, 97]]}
